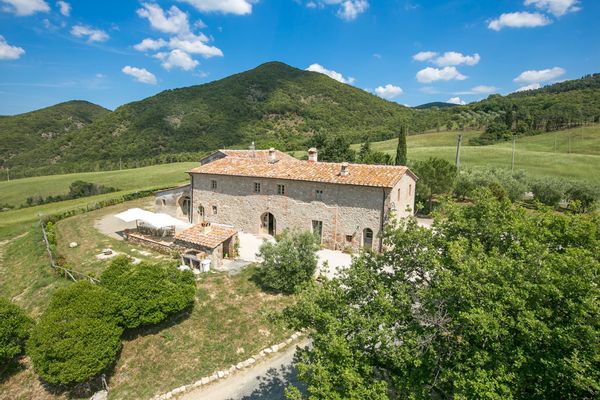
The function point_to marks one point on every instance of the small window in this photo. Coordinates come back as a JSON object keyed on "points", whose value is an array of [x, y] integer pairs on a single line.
{"points": [[398, 194], [349, 238], [410, 190], [318, 195], [214, 210], [213, 183], [256, 187], [281, 189], [201, 211]]}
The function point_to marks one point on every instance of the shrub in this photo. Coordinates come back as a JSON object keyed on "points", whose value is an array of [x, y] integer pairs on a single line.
{"points": [[78, 336], [549, 191], [582, 196], [289, 263], [501, 182], [148, 293], [15, 326]]}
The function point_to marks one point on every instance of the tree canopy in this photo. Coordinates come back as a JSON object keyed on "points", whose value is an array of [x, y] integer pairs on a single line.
{"points": [[14, 331], [494, 302]]}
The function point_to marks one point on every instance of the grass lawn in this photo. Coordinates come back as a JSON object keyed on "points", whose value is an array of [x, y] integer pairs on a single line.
{"points": [[15, 192]]}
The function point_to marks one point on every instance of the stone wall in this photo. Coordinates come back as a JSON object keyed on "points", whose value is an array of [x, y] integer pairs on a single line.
{"points": [[345, 210], [170, 201]]}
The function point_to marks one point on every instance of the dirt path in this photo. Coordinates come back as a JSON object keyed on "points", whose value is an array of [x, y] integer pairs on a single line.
{"points": [[3, 243], [266, 380]]}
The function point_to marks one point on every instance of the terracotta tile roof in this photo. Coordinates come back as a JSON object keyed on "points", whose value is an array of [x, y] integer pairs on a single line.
{"points": [[257, 154], [211, 239], [358, 174]]}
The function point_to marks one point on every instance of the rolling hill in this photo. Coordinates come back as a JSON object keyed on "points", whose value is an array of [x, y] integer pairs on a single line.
{"points": [[272, 105]]}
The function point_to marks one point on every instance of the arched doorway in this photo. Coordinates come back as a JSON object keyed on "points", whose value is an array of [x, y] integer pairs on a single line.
{"points": [[368, 239], [267, 224], [186, 205]]}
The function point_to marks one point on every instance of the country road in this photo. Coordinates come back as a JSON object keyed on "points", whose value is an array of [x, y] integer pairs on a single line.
{"points": [[264, 381]]}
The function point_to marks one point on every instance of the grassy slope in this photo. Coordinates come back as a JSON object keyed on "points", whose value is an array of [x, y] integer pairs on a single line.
{"points": [[16, 192], [535, 154]]}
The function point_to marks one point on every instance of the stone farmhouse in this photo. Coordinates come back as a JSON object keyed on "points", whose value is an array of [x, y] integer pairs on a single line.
{"points": [[268, 191]]}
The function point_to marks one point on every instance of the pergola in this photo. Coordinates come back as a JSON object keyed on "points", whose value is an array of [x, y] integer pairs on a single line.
{"points": [[158, 221]]}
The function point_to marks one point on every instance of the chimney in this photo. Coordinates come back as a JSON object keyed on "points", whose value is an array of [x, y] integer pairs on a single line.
{"points": [[272, 158], [205, 227], [344, 170], [312, 155]]}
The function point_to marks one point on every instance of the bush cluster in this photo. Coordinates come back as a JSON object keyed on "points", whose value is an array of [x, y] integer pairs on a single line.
{"points": [[15, 326], [79, 335], [148, 293], [77, 190], [502, 183], [290, 263]]}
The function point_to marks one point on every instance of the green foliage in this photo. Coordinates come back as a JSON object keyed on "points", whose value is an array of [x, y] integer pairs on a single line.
{"points": [[401, 158], [436, 177], [502, 183], [582, 197], [78, 336], [77, 190], [366, 155], [495, 302], [334, 149], [290, 263], [549, 190], [148, 293], [15, 326]]}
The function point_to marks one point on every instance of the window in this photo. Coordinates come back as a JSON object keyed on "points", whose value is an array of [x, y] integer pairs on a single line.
{"points": [[398, 194], [317, 227], [213, 184], [318, 195], [410, 190], [256, 187], [281, 189], [186, 205], [349, 238], [164, 202], [201, 211], [214, 210]]}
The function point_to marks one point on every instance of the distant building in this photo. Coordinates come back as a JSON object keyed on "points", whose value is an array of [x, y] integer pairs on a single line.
{"points": [[267, 192]]}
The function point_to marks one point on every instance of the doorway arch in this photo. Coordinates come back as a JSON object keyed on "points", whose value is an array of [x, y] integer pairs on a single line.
{"points": [[268, 224], [368, 239], [185, 204]]}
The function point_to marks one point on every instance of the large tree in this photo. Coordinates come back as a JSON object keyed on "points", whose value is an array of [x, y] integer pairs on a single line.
{"points": [[436, 177], [401, 158], [14, 331], [493, 303]]}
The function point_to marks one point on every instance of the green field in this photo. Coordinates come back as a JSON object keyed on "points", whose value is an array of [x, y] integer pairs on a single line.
{"points": [[572, 154], [15, 192]]}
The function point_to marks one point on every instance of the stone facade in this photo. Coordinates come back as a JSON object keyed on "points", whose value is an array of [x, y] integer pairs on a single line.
{"points": [[349, 216], [173, 202]]}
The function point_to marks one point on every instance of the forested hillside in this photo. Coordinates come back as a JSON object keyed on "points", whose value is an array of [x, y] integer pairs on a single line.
{"points": [[272, 105]]}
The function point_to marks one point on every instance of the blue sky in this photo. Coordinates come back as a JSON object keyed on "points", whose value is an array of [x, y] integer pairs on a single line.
{"points": [[408, 51]]}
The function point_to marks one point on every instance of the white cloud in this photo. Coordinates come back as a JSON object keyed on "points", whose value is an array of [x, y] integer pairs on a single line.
{"points": [[348, 10], [519, 20], [456, 100], [173, 21], [8, 52], [177, 59], [556, 7], [531, 86], [92, 34], [450, 58], [24, 7], [424, 55], [388, 91], [64, 7], [150, 44], [195, 44], [430, 74], [533, 76], [484, 89], [330, 73], [140, 74], [238, 7]]}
